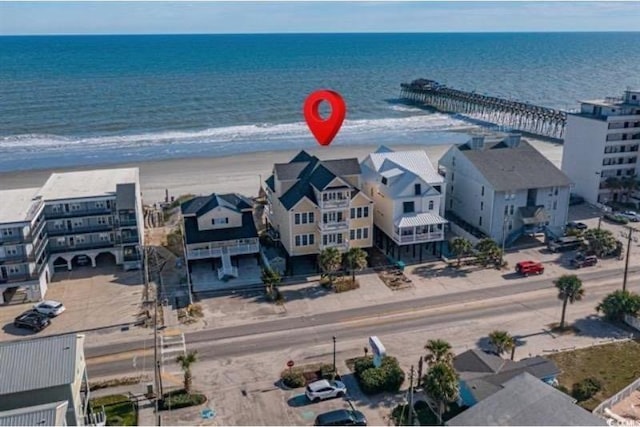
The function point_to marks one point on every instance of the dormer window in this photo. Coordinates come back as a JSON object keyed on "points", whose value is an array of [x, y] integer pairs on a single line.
{"points": [[408, 207], [384, 180], [417, 190]]}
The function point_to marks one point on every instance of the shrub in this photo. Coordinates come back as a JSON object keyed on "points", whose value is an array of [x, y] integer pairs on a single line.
{"points": [[388, 377], [292, 378], [400, 415], [181, 399], [563, 389], [327, 372], [345, 284], [586, 389]]}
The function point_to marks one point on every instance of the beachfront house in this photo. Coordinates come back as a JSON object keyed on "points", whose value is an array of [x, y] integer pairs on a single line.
{"points": [[504, 188], [24, 272], [94, 218], [46, 378], [314, 204], [601, 146], [221, 241], [408, 196]]}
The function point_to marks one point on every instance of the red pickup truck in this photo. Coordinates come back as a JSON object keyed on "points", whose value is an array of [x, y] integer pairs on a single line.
{"points": [[529, 267]]}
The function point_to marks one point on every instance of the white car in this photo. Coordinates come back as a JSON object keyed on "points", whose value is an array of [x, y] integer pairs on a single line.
{"points": [[324, 389], [630, 215], [50, 308]]}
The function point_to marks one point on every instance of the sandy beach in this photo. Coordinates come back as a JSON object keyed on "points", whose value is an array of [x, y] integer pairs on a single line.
{"points": [[238, 173]]}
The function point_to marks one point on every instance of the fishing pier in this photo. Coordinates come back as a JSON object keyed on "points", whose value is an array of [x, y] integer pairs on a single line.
{"points": [[521, 116]]}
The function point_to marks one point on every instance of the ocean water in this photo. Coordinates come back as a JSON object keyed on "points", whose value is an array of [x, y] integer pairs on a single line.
{"points": [[78, 100]]}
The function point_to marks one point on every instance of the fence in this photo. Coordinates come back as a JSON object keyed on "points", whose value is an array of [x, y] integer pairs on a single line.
{"points": [[619, 396], [632, 321]]}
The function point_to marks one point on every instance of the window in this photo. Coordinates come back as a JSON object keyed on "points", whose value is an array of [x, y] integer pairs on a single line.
{"points": [[298, 237], [100, 205], [430, 205], [7, 232], [408, 207], [359, 233], [482, 191], [218, 221], [453, 176], [352, 234], [417, 189], [311, 217], [312, 239], [384, 180], [102, 220], [297, 219], [506, 210], [304, 239], [371, 191], [510, 225], [365, 212], [353, 213], [555, 205], [480, 222], [437, 188], [481, 205], [511, 209], [365, 233], [361, 212]]}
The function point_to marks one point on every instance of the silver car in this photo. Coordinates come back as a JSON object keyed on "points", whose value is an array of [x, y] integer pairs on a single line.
{"points": [[50, 308], [324, 389]]}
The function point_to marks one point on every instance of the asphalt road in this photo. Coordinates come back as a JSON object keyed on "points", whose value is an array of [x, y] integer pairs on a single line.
{"points": [[352, 323]]}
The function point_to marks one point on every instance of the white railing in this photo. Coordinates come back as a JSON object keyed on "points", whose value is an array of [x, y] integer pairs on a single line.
{"points": [[232, 271], [333, 226], [339, 246], [243, 249], [332, 204], [204, 253], [619, 396], [420, 237]]}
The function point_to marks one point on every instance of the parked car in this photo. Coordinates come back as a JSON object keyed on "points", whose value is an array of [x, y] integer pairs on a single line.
{"points": [[630, 215], [582, 260], [577, 225], [574, 199], [32, 320], [324, 389], [529, 267], [83, 260], [341, 417], [50, 308], [567, 243]]}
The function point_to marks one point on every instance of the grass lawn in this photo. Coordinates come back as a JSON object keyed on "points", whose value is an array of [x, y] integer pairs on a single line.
{"points": [[614, 365], [119, 409]]}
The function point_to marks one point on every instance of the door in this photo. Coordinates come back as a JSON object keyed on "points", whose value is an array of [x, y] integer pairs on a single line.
{"points": [[3, 273], [72, 242]]}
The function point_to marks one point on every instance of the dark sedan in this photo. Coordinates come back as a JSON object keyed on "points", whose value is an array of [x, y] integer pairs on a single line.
{"points": [[32, 320], [577, 225]]}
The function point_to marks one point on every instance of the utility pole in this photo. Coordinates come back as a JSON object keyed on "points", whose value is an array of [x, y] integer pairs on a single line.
{"points": [[410, 420], [626, 262]]}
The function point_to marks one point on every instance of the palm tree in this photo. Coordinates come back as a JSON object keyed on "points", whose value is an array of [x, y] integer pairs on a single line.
{"points": [[271, 279], [330, 260], [441, 384], [618, 304], [488, 251], [185, 361], [502, 341], [356, 260], [460, 247], [628, 185], [570, 290], [600, 241], [438, 351]]}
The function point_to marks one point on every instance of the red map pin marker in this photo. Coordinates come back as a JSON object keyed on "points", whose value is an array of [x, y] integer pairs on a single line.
{"points": [[324, 130]]}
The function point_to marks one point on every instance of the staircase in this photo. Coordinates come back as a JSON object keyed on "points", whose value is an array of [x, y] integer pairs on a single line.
{"points": [[227, 269], [513, 236]]}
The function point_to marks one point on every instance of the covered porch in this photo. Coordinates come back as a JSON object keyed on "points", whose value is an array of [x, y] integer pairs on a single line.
{"points": [[534, 219], [226, 247], [418, 228]]}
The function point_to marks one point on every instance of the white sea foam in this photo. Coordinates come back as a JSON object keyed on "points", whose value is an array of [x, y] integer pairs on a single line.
{"points": [[231, 134]]}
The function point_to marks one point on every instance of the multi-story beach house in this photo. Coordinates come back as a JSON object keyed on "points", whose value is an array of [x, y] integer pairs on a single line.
{"points": [[600, 153], [314, 204], [408, 196], [504, 188], [24, 272], [44, 377], [94, 215], [219, 233]]}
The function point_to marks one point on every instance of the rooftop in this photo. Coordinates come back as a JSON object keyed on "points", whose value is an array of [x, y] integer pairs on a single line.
{"points": [[416, 162], [93, 183], [524, 400], [203, 204], [51, 362], [48, 414], [194, 235], [511, 168], [18, 205]]}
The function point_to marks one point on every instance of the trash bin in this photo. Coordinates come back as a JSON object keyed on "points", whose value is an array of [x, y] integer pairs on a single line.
{"points": [[400, 265]]}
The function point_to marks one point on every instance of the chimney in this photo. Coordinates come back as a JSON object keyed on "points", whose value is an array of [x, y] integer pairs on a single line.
{"points": [[513, 140], [477, 142]]}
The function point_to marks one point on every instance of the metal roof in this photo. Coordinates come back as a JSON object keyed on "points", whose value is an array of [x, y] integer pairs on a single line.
{"points": [[416, 162], [526, 401], [38, 363], [48, 414], [513, 168], [421, 219]]}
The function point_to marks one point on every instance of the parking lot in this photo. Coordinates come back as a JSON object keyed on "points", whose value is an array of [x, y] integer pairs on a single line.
{"points": [[94, 298]]}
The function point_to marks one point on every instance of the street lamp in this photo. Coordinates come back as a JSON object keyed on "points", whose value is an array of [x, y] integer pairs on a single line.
{"points": [[334, 354]]}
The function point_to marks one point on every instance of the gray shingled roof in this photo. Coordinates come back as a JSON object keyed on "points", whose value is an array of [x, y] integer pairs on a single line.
{"points": [[37, 363], [193, 235], [477, 361], [39, 415], [126, 196], [203, 204], [526, 401], [510, 169]]}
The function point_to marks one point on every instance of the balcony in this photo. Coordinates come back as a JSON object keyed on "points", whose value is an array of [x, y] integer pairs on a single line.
{"points": [[333, 226], [243, 249], [339, 246], [13, 258], [50, 214], [15, 238], [25, 277], [126, 222], [128, 239], [80, 247], [217, 252], [81, 230], [37, 228], [334, 204], [434, 236]]}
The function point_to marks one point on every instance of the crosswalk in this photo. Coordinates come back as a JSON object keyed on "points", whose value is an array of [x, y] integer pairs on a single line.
{"points": [[172, 345]]}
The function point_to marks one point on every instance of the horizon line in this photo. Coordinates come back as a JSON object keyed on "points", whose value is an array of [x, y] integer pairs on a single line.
{"points": [[320, 33]]}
